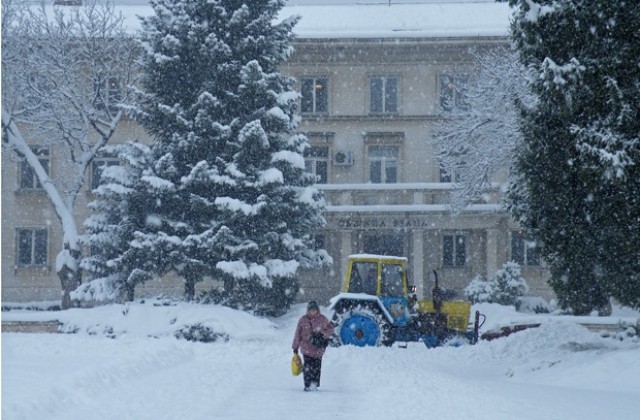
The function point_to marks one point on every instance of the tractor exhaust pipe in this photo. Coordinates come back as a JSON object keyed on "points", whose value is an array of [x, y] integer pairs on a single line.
{"points": [[476, 326], [437, 294]]}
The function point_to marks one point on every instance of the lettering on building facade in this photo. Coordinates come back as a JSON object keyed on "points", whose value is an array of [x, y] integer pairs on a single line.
{"points": [[382, 223]]}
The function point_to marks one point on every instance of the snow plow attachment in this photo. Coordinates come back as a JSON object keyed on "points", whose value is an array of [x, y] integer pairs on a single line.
{"points": [[506, 331], [457, 313]]}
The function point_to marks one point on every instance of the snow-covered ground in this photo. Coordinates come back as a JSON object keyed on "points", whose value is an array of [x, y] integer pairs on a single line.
{"points": [[557, 371]]}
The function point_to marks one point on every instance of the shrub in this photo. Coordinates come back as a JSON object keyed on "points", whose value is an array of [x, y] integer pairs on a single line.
{"points": [[200, 333], [505, 287], [625, 332], [533, 304], [478, 290]]}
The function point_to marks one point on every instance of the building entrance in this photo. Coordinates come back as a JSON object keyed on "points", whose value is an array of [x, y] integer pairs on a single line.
{"points": [[391, 244]]}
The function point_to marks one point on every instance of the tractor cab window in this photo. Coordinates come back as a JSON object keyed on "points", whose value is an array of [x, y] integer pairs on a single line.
{"points": [[392, 280], [364, 278]]}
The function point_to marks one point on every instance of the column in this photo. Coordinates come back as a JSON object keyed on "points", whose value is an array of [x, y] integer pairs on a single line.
{"points": [[417, 264], [345, 250], [492, 252]]}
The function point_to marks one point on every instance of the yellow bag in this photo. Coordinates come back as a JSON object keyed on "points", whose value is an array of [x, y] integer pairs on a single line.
{"points": [[296, 365]]}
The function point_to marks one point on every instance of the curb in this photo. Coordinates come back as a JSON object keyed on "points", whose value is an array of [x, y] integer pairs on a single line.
{"points": [[31, 326]]}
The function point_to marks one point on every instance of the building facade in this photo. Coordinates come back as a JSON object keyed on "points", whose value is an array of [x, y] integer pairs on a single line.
{"points": [[370, 104], [370, 109]]}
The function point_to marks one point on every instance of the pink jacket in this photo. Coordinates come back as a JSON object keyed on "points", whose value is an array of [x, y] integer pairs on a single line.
{"points": [[302, 337]]}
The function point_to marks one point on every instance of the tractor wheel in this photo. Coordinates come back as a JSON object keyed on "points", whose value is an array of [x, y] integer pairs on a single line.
{"points": [[361, 326]]}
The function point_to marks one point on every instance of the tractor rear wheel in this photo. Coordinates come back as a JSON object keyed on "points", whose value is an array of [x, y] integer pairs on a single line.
{"points": [[361, 325]]}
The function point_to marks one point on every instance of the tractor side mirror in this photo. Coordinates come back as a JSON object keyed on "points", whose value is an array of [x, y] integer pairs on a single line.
{"points": [[412, 288]]}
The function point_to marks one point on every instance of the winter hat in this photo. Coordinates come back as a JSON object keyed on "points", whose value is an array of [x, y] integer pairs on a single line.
{"points": [[313, 305]]}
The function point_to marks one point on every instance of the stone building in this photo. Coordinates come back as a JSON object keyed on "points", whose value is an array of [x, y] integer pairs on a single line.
{"points": [[372, 78]]}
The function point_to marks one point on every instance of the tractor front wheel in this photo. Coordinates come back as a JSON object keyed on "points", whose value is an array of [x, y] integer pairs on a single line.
{"points": [[361, 326]]}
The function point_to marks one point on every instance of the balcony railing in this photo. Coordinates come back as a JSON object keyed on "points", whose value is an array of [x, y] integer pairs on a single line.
{"points": [[399, 197]]}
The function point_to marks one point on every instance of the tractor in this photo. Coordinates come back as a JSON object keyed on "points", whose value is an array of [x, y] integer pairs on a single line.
{"points": [[377, 307]]}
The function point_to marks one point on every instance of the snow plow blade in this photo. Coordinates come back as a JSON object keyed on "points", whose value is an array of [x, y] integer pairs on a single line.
{"points": [[506, 331]]}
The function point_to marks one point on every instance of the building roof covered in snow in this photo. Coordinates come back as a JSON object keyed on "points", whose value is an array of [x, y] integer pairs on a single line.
{"points": [[334, 19]]}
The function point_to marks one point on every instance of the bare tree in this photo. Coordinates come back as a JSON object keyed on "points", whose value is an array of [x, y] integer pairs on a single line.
{"points": [[64, 76], [479, 132]]}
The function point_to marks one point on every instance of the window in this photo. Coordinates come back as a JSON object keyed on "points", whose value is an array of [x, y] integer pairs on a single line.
{"points": [[114, 92], [522, 251], [392, 280], [314, 95], [28, 179], [454, 251], [445, 176], [383, 95], [452, 92], [383, 164], [108, 93], [97, 167], [32, 246], [67, 2], [316, 160], [457, 164], [364, 278]]}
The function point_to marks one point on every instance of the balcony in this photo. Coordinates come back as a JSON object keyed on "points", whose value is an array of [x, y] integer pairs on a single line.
{"points": [[401, 197]]}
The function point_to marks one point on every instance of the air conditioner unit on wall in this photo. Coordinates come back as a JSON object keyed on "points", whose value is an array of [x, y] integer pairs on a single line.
{"points": [[343, 158]]}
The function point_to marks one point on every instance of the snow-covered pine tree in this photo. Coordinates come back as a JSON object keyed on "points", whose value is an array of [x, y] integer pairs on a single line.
{"points": [[577, 188], [230, 179], [117, 264], [507, 285]]}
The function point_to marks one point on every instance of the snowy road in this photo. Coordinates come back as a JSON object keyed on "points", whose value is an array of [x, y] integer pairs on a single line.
{"points": [[556, 372]]}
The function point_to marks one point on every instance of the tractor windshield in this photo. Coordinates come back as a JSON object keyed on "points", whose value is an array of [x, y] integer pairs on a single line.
{"points": [[392, 280], [364, 278]]}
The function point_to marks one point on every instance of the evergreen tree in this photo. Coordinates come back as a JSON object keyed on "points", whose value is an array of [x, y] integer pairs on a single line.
{"points": [[508, 285], [116, 264], [232, 197], [577, 188]]}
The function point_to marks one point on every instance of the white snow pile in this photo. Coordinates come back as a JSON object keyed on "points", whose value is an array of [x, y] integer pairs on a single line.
{"points": [[151, 318], [124, 362]]}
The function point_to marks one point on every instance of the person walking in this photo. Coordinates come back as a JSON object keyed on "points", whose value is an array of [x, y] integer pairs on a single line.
{"points": [[312, 336]]}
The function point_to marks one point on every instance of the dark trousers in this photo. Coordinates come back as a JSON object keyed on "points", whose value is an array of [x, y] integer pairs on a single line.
{"points": [[311, 371]]}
